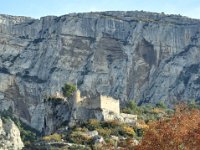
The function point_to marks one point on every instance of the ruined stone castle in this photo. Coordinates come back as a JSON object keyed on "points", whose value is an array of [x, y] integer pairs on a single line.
{"points": [[98, 107]]}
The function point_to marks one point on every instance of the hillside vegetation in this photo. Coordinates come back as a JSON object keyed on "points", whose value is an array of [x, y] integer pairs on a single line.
{"points": [[158, 128]]}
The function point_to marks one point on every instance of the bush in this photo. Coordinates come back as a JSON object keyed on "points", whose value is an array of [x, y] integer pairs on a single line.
{"points": [[161, 104], [126, 111], [79, 138], [182, 131], [127, 131], [111, 124], [127, 143], [133, 107], [145, 109], [142, 125], [55, 100], [92, 124], [81, 129], [157, 111], [194, 104], [116, 131], [68, 90], [77, 147], [54, 137], [105, 132]]}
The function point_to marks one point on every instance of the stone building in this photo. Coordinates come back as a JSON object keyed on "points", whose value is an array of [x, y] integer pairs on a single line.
{"points": [[98, 107]]}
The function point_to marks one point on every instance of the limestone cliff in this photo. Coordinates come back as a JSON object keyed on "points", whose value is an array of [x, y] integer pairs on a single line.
{"points": [[143, 56], [10, 136]]}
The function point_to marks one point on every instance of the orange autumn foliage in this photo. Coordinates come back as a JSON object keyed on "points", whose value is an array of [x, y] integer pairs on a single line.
{"points": [[142, 125], [181, 132]]}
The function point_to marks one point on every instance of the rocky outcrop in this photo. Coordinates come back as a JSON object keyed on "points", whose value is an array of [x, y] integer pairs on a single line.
{"points": [[10, 136], [143, 56]]}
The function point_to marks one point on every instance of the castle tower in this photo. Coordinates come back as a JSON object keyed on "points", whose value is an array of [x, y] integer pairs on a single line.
{"points": [[76, 98]]}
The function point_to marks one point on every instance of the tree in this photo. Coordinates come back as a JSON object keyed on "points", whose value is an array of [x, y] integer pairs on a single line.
{"points": [[182, 131], [68, 90]]}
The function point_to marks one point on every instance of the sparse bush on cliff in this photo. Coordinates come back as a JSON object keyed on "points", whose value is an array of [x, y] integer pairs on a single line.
{"points": [[93, 124], [54, 137], [79, 137], [54, 100], [68, 90]]}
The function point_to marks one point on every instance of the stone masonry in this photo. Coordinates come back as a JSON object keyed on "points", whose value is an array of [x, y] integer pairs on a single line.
{"points": [[98, 107]]}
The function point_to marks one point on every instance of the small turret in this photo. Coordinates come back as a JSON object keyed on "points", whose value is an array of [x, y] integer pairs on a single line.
{"points": [[76, 97]]}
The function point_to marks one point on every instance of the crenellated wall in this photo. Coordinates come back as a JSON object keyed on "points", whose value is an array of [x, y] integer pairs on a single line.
{"points": [[83, 106]]}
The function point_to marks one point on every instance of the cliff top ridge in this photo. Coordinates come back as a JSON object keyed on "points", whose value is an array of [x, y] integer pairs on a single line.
{"points": [[129, 16]]}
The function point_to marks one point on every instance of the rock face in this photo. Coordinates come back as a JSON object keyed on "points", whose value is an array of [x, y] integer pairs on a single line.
{"points": [[143, 56], [10, 136]]}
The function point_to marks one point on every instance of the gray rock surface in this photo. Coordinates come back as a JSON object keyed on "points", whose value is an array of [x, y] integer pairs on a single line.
{"points": [[10, 136], [143, 56]]}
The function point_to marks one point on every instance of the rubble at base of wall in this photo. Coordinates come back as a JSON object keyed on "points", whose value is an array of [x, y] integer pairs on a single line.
{"points": [[83, 114], [126, 118]]}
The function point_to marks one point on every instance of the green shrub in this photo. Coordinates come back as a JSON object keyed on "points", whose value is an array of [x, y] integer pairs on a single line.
{"points": [[161, 104], [145, 109], [169, 112], [127, 131], [27, 135], [79, 137], [132, 105], [132, 108], [81, 129], [54, 137], [92, 124], [194, 104], [78, 147], [139, 132], [111, 124], [116, 131], [105, 132], [126, 110], [68, 89], [55, 100]]}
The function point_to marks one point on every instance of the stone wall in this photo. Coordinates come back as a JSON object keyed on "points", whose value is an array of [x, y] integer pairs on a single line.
{"points": [[99, 107], [83, 106], [110, 104], [96, 101], [89, 102], [87, 107]]}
